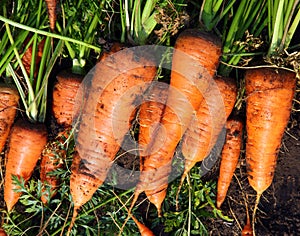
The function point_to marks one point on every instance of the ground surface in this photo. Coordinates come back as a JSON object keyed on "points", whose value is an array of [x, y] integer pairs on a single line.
{"points": [[279, 208]]}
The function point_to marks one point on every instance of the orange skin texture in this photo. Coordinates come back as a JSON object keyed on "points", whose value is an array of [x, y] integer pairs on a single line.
{"points": [[52, 159], [190, 77], [64, 96], [229, 157], [269, 101], [51, 6], [204, 129], [144, 231], [115, 90], [150, 114], [9, 99], [2, 232], [27, 57], [26, 144]]}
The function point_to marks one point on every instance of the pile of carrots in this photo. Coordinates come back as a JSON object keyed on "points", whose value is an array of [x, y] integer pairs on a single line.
{"points": [[190, 112]]}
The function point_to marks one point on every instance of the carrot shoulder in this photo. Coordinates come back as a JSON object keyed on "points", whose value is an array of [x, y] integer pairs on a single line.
{"points": [[26, 143], [268, 106], [195, 60], [229, 157], [64, 96], [118, 83], [9, 99]]}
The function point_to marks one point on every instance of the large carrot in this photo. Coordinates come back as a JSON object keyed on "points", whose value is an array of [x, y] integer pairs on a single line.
{"points": [[9, 99], [64, 96], [208, 122], [118, 83], [194, 63], [229, 157], [268, 106], [53, 157], [26, 143]]}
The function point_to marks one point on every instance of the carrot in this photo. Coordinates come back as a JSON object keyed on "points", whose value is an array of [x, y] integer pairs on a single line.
{"points": [[118, 82], [268, 106], [26, 143], [52, 159], [150, 113], [2, 232], [145, 231], [64, 96], [27, 57], [9, 99], [207, 124], [51, 6], [229, 157], [194, 63]]}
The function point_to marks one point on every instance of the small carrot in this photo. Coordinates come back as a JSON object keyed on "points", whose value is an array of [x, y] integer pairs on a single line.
{"points": [[144, 230], [51, 6], [270, 94], [64, 96], [9, 99], [229, 157], [52, 159], [26, 143], [118, 83], [207, 124]]}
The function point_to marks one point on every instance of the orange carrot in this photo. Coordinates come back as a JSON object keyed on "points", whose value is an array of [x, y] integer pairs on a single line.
{"points": [[194, 63], [150, 114], [229, 157], [145, 231], [27, 57], [52, 159], [26, 143], [118, 82], [268, 106], [2, 232], [207, 124], [64, 96], [9, 99], [51, 6]]}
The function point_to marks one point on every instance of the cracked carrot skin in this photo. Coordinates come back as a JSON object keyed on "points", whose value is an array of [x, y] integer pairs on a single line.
{"points": [[118, 83], [9, 99], [268, 106], [194, 64], [26, 144], [229, 157]]}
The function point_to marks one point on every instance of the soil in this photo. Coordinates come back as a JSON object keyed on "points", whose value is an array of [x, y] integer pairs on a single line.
{"points": [[279, 207]]}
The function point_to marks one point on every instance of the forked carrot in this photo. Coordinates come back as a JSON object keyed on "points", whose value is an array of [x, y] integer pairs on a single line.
{"points": [[229, 157], [26, 143], [9, 99], [270, 94]]}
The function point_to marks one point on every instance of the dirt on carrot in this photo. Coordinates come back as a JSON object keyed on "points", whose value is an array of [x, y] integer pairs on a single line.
{"points": [[229, 157], [9, 98]]}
